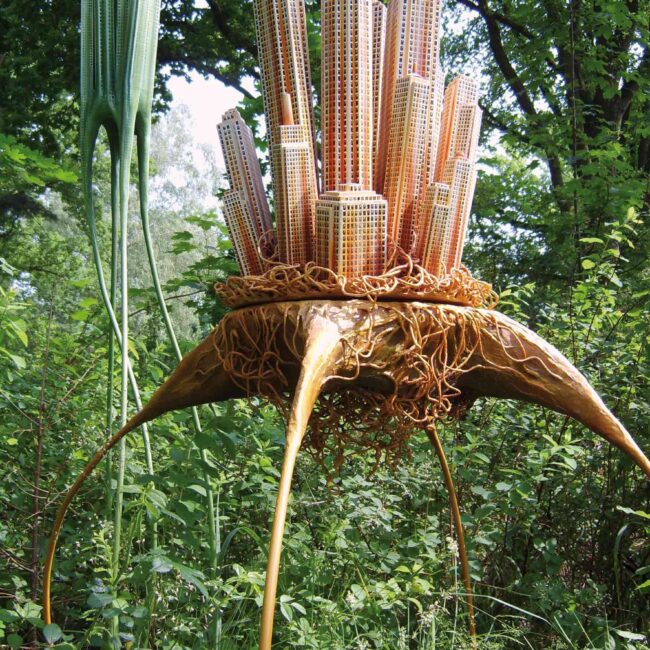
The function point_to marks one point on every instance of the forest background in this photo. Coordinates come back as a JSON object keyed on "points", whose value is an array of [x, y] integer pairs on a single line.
{"points": [[556, 520]]}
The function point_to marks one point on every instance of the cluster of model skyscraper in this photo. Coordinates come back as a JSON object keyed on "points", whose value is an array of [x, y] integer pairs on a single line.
{"points": [[398, 151]]}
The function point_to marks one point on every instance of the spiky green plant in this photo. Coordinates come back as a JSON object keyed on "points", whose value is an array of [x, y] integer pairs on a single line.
{"points": [[118, 60]]}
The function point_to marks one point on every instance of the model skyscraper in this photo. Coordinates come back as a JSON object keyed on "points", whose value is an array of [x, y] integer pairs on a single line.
{"points": [[398, 151], [347, 93], [246, 208]]}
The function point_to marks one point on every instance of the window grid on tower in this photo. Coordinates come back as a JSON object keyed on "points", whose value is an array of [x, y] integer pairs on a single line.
{"points": [[434, 244], [462, 91], [435, 113], [243, 168], [406, 157], [411, 47], [347, 101], [351, 231], [284, 66], [295, 194], [464, 143], [242, 235], [378, 47], [460, 175]]}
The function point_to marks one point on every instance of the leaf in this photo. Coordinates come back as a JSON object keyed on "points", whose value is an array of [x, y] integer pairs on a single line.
{"points": [[194, 577], [588, 264], [631, 636], [481, 491], [199, 489], [14, 641], [629, 511], [614, 279], [18, 361], [7, 616], [52, 633], [98, 600], [286, 609], [161, 564]]}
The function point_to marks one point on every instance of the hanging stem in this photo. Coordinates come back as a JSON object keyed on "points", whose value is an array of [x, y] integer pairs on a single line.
{"points": [[143, 166], [321, 345], [111, 335], [143, 173], [458, 525], [136, 421], [40, 435]]}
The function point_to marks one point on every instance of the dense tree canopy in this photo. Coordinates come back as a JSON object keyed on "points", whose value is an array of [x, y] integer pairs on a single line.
{"points": [[557, 522]]}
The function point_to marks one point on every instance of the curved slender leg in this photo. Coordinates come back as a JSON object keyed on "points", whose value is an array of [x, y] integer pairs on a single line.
{"points": [[458, 525], [136, 421], [319, 354]]}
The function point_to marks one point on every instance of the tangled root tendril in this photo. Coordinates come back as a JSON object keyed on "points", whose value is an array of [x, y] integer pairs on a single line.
{"points": [[396, 372], [404, 279]]}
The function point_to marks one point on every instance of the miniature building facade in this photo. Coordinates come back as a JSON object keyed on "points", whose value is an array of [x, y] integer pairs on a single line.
{"points": [[295, 193], [460, 176], [462, 91], [347, 87], [378, 48], [434, 244], [412, 47], [399, 152], [406, 156], [240, 227], [281, 29], [351, 231], [435, 119], [248, 217]]}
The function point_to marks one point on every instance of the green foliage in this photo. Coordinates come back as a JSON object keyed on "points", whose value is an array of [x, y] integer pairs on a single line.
{"points": [[557, 522]]}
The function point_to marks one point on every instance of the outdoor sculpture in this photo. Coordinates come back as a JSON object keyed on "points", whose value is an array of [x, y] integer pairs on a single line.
{"points": [[355, 316]]}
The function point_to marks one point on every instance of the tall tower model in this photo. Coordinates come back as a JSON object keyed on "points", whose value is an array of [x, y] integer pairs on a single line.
{"points": [[461, 92], [350, 217], [435, 124], [284, 61], [378, 48], [347, 93], [434, 239], [460, 175], [412, 47], [409, 134], [246, 209], [295, 193], [286, 86], [240, 228]]}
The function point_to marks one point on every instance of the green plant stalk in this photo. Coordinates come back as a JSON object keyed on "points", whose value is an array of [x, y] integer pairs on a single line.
{"points": [[111, 337], [115, 327], [122, 342], [125, 148], [143, 173], [143, 164], [117, 67]]}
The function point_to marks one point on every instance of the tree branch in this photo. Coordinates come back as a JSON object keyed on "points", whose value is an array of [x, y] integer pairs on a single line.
{"points": [[203, 68], [222, 23]]}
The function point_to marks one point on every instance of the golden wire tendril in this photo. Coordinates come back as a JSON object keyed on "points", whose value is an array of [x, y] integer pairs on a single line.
{"points": [[397, 372], [404, 279]]}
